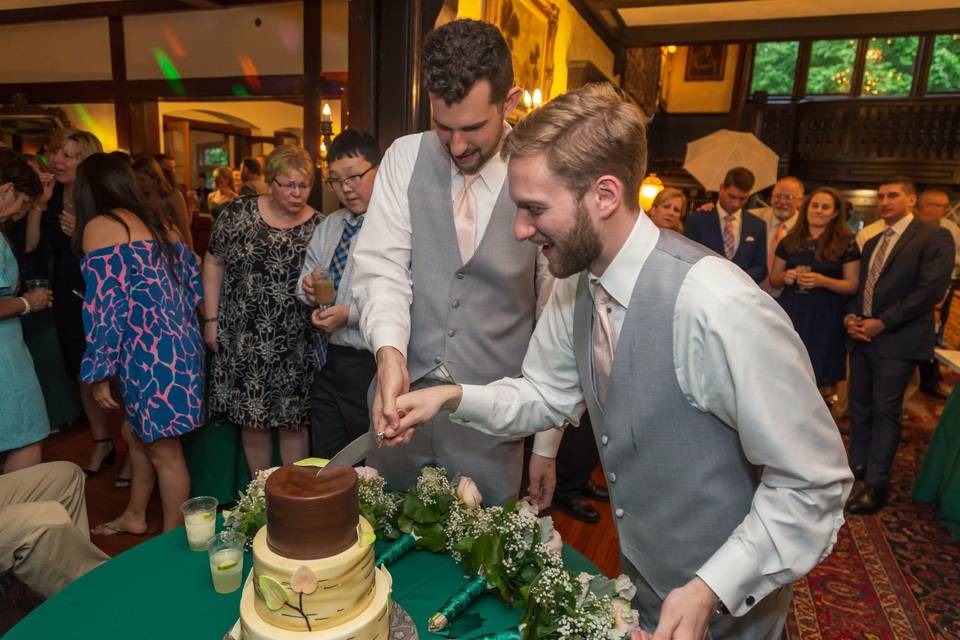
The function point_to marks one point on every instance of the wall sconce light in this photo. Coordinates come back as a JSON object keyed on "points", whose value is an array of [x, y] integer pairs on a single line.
{"points": [[537, 98], [649, 188], [527, 100]]}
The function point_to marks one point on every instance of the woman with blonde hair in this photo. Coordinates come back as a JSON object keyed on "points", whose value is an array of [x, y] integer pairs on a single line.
{"points": [[260, 334], [162, 197], [67, 149], [223, 193], [818, 264], [668, 208]]}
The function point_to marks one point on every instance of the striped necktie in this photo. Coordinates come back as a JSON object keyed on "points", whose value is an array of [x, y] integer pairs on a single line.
{"points": [[729, 240], [875, 268], [338, 263]]}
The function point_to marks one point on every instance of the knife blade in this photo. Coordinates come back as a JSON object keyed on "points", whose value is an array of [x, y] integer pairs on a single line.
{"points": [[355, 451]]}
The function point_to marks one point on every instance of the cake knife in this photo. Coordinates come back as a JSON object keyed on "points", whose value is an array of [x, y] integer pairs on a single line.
{"points": [[355, 451]]}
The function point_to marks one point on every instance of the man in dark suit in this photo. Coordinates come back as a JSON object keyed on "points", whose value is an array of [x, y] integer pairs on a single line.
{"points": [[904, 273], [738, 235]]}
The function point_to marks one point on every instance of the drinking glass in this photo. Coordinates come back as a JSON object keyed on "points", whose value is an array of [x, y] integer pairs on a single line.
{"points": [[37, 283], [324, 293], [200, 521], [802, 268], [226, 561]]}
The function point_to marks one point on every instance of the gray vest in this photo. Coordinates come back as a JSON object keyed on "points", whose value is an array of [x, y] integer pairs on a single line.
{"points": [[475, 318], [679, 482]]}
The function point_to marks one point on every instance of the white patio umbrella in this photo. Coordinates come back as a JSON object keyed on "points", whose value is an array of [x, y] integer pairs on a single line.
{"points": [[709, 158]]}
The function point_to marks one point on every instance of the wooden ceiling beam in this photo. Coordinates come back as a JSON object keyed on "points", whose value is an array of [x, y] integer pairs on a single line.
{"points": [[646, 4], [87, 10], [835, 26]]}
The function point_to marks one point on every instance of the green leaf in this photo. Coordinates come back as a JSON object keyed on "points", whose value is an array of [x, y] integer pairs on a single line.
{"points": [[274, 594], [404, 523], [416, 510], [430, 537]]}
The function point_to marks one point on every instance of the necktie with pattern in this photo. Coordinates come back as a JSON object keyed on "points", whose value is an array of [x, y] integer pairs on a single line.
{"points": [[465, 217], [338, 263], [876, 266], [728, 238], [604, 339]]}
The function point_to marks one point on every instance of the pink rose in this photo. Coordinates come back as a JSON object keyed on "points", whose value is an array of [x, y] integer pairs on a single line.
{"points": [[555, 543], [468, 493], [367, 473], [624, 617]]}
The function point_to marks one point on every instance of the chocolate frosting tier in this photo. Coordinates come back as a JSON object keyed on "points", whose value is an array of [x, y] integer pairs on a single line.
{"points": [[310, 516]]}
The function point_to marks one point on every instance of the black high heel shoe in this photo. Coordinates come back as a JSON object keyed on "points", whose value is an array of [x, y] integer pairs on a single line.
{"points": [[108, 459]]}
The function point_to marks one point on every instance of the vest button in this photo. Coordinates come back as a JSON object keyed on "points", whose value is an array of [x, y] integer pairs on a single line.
{"points": [[455, 304], [612, 476], [459, 275], [437, 360], [451, 333], [604, 439], [619, 513], [750, 601]]}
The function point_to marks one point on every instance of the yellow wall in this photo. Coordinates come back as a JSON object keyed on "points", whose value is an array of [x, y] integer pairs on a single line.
{"points": [[680, 96], [575, 41], [98, 118], [55, 51]]}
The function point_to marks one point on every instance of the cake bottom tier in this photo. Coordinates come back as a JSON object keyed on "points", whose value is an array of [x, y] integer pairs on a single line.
{"points": [[373, 623]]}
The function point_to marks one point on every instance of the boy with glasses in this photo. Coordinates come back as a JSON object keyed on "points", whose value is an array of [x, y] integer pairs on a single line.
{"points": [[338, 397]]}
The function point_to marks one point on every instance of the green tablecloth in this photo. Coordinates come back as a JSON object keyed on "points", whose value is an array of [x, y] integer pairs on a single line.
{"points": [[939, 477], [160, 589]]}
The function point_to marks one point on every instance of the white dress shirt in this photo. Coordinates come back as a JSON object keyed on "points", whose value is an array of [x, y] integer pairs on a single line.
{"points": [[382, 285], [326, 238], [737, 223], [898, 228], [730, 339]]}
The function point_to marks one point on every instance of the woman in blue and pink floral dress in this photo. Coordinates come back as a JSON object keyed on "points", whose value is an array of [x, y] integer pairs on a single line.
{"points": [[139, 314]]}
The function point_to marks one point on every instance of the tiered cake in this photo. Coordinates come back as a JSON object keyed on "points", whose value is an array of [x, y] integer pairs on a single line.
{"points": [[313, 565]]}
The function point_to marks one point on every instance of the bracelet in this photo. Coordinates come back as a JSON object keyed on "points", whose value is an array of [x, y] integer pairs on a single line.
{"points": [[209, 320], [26, 305]]}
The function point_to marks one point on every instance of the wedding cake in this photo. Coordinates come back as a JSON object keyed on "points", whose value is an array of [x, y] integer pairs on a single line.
{"points": [[313, 567]]}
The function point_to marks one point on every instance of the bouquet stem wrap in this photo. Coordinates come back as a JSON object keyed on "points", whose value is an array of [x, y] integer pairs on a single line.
{"points": [[457, 603], [397, 550]]}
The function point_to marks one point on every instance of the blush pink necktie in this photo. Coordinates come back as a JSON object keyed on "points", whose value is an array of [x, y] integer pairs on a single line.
{"points": [[604, 339], [465, 217]]}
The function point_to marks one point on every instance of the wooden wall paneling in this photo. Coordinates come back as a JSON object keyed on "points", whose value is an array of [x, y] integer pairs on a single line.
{"points": [[118, 69], [363, 40], [145, 131], [921, 68], [741, 84]]}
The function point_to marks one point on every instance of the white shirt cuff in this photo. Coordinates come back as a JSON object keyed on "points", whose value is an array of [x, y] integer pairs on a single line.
{"points": [[546, 443], [389, 337], [735, 578], [475, 404]]}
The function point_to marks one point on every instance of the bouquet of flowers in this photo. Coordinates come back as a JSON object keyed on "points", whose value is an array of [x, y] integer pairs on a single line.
{"points": [[251, 511]]}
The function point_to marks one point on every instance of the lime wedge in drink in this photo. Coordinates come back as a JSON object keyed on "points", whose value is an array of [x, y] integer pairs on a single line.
{"points": [[208, 516], [229, 564]]}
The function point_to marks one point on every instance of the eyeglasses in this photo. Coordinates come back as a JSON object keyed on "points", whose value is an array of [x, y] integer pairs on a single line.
{"points": [[785, 196], [291, 186], [349, 181]]}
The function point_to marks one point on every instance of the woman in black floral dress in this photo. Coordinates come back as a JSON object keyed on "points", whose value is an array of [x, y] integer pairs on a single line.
{"points": [[260, 334]]}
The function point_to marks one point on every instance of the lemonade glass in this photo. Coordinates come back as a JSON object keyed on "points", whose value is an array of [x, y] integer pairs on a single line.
{"points": [[200, 521], [226, 561]]}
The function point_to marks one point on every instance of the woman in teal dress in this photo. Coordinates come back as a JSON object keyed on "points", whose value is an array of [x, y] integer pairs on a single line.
{"points": [[23, 418]]}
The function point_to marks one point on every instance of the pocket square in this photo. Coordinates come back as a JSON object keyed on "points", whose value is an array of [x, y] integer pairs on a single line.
{"points": [[749, 239]]}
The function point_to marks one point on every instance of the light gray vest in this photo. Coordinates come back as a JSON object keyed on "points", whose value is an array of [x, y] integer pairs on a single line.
{"points": [[679, 482], [475, 318]]}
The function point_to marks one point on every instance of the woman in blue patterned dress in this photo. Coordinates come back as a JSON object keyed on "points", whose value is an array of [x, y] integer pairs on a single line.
{"points": [[139, 315], [23, 419]]}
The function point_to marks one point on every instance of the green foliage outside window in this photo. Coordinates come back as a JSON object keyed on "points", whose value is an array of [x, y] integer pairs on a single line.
{"points": [[888, 68], [831, 66], [945, 66], [216, 157], [774, 65]]}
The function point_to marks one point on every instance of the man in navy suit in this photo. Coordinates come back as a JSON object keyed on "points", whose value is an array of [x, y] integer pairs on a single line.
{"points": [[904, 272], [738, 235]]}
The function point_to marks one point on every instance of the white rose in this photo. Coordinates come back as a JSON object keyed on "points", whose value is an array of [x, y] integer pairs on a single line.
{"points": [[555, 543], [624, 617], [625, 587], [367, 473], [527, 504], [468, 493]]}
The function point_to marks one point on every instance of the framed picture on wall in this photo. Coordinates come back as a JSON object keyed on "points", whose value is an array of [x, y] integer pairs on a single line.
{"points": [[530, 29], [705, 62]]}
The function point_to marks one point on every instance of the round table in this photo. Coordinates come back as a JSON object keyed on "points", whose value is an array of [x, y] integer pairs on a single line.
{"points": [[160, 589]]}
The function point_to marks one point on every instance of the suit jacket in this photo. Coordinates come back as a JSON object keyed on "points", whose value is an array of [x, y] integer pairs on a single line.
{"points": [[751, 256], [914, 278]]}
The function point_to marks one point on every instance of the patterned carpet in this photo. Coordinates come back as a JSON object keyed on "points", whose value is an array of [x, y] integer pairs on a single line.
{"points": [[895, 575]]}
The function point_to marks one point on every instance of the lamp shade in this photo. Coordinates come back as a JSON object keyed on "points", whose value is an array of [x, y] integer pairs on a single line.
{"points": [[649, 188]]}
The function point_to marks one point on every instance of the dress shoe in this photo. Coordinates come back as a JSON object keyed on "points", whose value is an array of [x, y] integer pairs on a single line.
{"points": [[578, 508], [869, 501], [939, 391], [595, 491], [859, 471]]}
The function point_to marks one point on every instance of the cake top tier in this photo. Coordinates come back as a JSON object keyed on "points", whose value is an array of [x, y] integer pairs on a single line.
{"points": [[311, 516]]}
